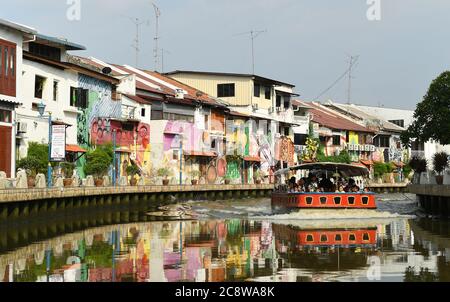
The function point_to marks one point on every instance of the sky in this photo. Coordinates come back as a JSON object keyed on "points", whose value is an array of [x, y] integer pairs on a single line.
{"points": [[308, 43]]}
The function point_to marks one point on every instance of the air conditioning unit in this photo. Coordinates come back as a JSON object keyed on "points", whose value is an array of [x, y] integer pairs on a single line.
{"points": [[372, 148], [366, 148], [351, 147], [179, 94], [22, 127], [255, 107]]}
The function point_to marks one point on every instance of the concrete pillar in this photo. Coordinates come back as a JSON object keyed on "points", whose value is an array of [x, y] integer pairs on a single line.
{"points": [[77, 203], [3, 212], [69, 204], [13, 211], [24, 209], [108, 200]]}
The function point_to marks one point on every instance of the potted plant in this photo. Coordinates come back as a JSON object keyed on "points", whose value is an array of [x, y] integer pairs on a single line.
{"points": [[379, 169], [440, 162], [31, 165], [227, 179], [257, 177], [196, 174], [97, 164], [165, 173], [132, 171], [419, 165], [67, 169]]}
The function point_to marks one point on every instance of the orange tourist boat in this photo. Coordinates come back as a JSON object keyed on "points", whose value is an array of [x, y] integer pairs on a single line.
{"points": [[283, 198]]}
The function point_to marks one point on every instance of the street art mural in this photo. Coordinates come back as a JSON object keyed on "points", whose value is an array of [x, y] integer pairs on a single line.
{"points": [[102, 116]]}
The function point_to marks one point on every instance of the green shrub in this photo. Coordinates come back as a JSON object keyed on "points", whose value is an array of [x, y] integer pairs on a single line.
{"points": [[379, 169], [98, 161], [440, 162], [343, 158], [67, 169], [418, 164], [133, 170]]}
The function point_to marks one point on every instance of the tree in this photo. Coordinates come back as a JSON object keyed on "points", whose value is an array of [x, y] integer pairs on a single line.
{"points": [[432, 114]]}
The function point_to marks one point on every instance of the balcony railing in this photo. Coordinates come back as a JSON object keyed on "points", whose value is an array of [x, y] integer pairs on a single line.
{"points": [[416, 153]]}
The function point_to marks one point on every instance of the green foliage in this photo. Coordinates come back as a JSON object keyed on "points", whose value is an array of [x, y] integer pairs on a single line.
{"points": [[163, 172], [418, 164], [98, 161], [67, 168], [36, 161], [343, 158], [431, 115], [407, 170], [196, 174], [312, 149], [133, 170], [440, 162], [382, 168]]}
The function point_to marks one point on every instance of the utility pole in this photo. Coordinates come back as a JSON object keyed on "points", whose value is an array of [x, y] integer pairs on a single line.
{"points": [[156, 38], [253, 35]]}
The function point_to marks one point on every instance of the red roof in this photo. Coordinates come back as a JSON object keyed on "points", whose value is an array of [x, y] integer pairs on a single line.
{"points": [[327, 118], [75, 149], [137, 99]]}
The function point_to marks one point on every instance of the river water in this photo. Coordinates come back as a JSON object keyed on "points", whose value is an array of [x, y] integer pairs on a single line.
{"points": [[236, 241]]}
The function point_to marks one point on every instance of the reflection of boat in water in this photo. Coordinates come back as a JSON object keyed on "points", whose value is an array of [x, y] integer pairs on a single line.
{"points": [[178, 212], [307, 200]]}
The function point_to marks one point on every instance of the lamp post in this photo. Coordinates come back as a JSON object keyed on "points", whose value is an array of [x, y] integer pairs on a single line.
{"points": [[41, 110]]}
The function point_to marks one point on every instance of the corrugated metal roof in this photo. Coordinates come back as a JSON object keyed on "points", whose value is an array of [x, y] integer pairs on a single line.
{"points": [[19, 27], [16, 103], [328, 119], [60, 41]]}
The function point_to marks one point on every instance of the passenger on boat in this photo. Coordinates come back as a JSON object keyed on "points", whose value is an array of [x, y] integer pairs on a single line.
{"points": [[312, 183], [325, 184], [340, 189], [351, 187]]}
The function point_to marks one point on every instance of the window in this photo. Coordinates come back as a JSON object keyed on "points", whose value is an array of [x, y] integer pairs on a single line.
{"points": [[382, 141], [351, 201], [257, 90], [5, 116], [287, 102], [337, 200], [177, 117], [352, 237], [365, 200], [309, 238], [338, 237], [79, 97], [323, 238], [45, 51], [309, 200], [225, 90], [268, 93], [336, 140], [55, 90], [7, 68], [417, 146], [366, 237], [278, 101], [143, 112], [300, 139], [156, 115], [400, 123], [323, 200], [39, 83], [286, 131]]}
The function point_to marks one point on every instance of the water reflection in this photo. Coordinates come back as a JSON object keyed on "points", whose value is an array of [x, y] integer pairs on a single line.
{"points": [[235, 250]]}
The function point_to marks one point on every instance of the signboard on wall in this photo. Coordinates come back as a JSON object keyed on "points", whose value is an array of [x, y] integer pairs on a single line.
{"points": [[58, 148]]}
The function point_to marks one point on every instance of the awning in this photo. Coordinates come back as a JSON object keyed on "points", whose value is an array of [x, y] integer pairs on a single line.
{"points": [[252, 159], [61, 123], [367, 162], [199, 153], [75, 149], [123, 150]]}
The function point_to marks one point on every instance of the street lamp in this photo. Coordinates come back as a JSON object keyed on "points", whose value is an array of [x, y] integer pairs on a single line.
{"points": [[41, 110], [114, 171]]}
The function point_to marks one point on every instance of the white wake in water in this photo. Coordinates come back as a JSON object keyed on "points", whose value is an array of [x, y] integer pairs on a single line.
{"points": [[323, 214]]}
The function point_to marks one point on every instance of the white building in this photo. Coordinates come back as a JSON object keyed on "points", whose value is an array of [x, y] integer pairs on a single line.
{"points": [[12, 36], [404, 118]]}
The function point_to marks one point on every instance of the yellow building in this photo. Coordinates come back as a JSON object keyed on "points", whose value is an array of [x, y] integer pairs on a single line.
{"points": [[240, 89]]}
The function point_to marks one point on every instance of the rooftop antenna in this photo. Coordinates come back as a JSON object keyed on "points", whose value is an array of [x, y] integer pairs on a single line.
{"points": [[156, 38], [353, 61], [253, 35], [136, 45]]}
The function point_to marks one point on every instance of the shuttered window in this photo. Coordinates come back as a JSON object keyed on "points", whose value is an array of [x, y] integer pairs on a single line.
{"points": [[8, 68]]}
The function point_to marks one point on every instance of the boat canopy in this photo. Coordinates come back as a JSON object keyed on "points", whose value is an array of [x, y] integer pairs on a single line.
{"points": [[344, 170]]}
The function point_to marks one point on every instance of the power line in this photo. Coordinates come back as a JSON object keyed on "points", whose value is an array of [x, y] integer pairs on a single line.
{"points": [[157, 37], [253, 35], [353, 63]]}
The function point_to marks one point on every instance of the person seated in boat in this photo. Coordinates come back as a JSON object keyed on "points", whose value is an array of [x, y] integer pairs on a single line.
{"points": [[366, 190], [355, 189], [325, 183], [340, 189], [301, 185], [350, 185], [312, 183]]}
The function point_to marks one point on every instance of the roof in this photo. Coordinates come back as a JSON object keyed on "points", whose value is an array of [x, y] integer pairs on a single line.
{"points": [[347, 170], [137, 99], [327, 118], [19, 27], [12, 102], [75, 149], [54, 41], [358, 113], [244, 75]]}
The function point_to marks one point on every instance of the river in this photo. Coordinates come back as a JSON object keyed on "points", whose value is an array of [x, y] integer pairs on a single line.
{"points": [[233, 241]]}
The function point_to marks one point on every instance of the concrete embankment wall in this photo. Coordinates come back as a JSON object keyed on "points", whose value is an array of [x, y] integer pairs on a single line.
{"points": [[25, 203], [433, 199]]}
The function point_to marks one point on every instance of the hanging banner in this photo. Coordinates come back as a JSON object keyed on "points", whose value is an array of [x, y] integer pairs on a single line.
{"points": [[58, 148]]}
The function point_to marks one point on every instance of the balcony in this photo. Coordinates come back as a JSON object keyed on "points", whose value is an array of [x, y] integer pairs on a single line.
{"points": [[417, 153], [128, 112], [301, 118]]}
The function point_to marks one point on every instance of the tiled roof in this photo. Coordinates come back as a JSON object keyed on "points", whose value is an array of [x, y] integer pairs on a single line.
{"points": [[325, 117]]}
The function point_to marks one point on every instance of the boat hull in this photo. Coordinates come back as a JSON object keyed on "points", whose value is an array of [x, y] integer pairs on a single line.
{"points": [[324, 200]]}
